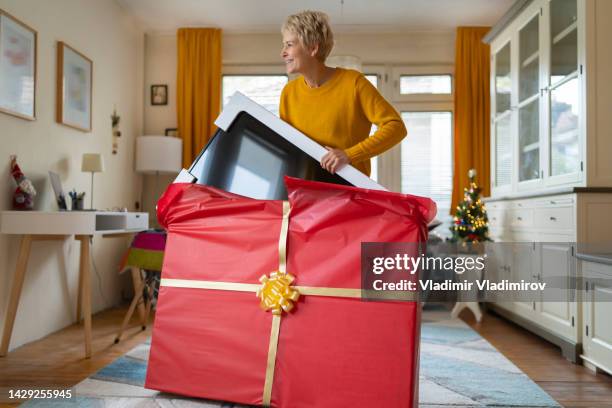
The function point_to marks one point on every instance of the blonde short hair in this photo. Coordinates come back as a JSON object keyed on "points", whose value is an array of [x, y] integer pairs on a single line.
{"points": [[311, 27]]}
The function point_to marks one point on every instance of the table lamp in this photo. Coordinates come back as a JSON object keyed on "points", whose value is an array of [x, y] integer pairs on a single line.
{"points": [[158, 155], [92, 163]]}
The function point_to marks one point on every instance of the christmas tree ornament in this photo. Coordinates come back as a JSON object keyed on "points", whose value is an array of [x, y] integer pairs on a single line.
{"points": [[23, 197]]}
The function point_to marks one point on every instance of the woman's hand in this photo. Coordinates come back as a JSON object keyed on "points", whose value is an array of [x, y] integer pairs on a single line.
{"points": [[334, 159]]}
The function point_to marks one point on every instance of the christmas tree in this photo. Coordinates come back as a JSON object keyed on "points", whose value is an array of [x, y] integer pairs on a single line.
{"points": [[470, 221]]}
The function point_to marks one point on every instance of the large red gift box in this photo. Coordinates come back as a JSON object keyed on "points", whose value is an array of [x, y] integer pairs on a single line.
{"points": [[332, 351]]}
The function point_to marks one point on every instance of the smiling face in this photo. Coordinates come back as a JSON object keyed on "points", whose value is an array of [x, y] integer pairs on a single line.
{"points": [[296, 56]]}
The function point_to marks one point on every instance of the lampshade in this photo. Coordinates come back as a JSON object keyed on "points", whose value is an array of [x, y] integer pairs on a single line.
{"points": [[92, 162], [158, 154], [345, 61]]}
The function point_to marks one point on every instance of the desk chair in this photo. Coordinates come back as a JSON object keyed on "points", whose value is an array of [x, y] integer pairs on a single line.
{"points": [[144, 257]]}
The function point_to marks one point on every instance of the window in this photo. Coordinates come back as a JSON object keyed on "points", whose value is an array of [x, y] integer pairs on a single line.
{"points": [[423, 162], [426, 157], [263, 89], [425, 84], [373, 78]]}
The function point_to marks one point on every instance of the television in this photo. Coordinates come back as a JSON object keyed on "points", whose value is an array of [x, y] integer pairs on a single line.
{"points": [[251, 160]]}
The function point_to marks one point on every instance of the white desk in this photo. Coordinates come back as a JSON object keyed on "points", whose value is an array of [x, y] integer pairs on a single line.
{"points": [[56, 225]]}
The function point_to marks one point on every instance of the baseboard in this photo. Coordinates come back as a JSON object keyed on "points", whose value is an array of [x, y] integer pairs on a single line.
{"points": [[595, 366], [569, 348]]}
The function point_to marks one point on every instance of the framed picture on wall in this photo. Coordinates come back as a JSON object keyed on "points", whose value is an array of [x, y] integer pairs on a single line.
{"points": [[159, 94], [17, 67], [74, 88], [171, 132]]}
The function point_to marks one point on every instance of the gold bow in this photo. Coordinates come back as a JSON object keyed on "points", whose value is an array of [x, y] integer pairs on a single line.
{"points": [[276, 293]]}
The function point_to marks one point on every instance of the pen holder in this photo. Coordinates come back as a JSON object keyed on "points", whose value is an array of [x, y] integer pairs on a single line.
{"points": [[77, 204]]}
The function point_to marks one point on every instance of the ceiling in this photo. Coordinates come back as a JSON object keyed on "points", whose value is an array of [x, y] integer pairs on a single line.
{"points": [[362, 16]]}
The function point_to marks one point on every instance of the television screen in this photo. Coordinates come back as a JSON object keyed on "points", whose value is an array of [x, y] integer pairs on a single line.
{"points": [[250, 159]]}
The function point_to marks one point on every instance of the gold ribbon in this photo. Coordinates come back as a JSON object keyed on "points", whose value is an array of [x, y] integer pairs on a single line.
{"points": [[275, 293], [254, 287]]}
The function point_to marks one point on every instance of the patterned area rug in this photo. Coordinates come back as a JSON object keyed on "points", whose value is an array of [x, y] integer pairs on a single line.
{"points": [[458, 369]]}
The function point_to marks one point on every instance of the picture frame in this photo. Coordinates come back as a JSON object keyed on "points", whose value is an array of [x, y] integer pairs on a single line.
{"points": [[74, 88], [173, 132], [159, 95], [18, 67]]}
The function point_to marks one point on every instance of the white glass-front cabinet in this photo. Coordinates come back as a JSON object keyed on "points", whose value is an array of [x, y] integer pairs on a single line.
{"points": [[550, 133], [536, 100]]}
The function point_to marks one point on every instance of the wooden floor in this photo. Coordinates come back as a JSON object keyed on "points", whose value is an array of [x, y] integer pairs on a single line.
{"points": [[569, 384], [57, 360]]}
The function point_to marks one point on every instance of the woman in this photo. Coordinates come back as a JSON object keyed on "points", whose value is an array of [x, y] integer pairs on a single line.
{"points": [[336, 107]]}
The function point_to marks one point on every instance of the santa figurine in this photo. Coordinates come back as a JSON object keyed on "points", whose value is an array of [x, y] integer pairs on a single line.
{"points": [[23, 197]]}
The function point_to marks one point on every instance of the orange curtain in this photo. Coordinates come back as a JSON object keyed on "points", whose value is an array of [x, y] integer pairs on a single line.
{"points": [[472, 106], [198, 87]]}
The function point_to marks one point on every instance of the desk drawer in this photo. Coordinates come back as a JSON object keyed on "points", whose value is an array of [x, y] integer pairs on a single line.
{"points": [[561, 218], [137, 221]]}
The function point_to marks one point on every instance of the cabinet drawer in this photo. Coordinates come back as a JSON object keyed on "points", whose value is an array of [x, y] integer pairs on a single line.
{"points": [[560, 201], [496, 218], [561, 218], [137, 221], [521, 218]]}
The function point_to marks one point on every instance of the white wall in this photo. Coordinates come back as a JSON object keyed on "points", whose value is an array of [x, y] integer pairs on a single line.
{"points": [[106, 34], [160, 68]]}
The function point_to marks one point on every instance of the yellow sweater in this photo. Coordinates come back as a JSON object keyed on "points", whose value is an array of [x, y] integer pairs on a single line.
{"points": [[340, 114]]}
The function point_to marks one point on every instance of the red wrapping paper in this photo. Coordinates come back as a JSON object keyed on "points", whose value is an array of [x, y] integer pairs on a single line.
{"points": [[332, 352]]}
